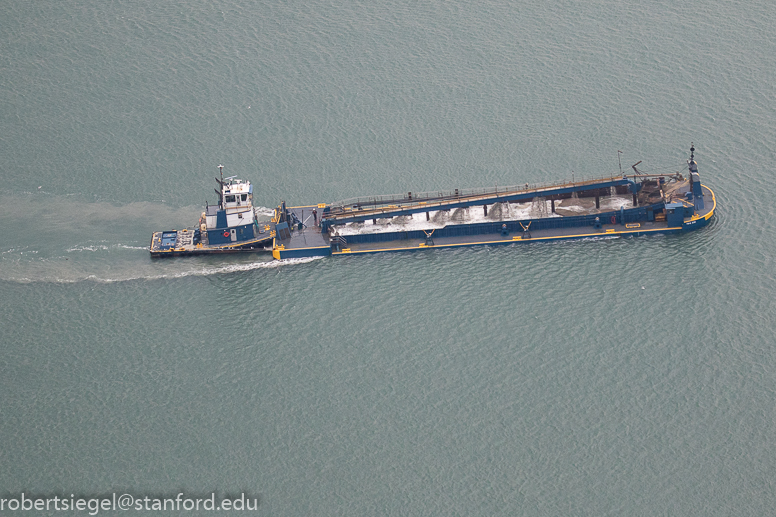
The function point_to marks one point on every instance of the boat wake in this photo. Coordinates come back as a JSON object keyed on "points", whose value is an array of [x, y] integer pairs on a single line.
{"points": [[104, 247], [65, 278], [67, 245]]}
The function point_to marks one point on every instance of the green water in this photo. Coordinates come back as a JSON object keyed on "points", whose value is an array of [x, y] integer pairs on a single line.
{"points": [[599, 377]]}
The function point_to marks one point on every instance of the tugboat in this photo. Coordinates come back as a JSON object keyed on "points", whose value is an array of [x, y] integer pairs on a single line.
{"points": [[230, 227]]}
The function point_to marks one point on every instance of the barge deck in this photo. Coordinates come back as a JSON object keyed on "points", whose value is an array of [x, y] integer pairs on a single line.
{"points": [[672, 215]]}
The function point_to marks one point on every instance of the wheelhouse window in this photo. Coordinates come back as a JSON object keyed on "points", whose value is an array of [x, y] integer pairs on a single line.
{"points": [[230, 199]]}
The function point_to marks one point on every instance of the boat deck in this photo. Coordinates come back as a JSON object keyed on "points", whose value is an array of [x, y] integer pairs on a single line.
{"points": [[174, 243]]}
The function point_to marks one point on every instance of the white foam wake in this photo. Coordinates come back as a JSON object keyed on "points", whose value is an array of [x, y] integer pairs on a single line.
{"points": [[205, 271]]}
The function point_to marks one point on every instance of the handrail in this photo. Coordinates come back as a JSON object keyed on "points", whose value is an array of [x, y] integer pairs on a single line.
{"points": [[466, 193], [419, 197], [382, 204]]}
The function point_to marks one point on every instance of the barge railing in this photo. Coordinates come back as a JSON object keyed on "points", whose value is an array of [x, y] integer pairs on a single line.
{"points": [[450, 195]]}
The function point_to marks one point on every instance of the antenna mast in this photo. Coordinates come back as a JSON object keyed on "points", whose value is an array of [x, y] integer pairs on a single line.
{"points": [[221, 191]]}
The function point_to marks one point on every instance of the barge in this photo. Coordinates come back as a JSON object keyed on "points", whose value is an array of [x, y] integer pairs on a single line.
{"points": [[622, 205]]}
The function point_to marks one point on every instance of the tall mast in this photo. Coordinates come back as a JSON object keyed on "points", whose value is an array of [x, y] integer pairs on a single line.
{"points": [[221, 194]]}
